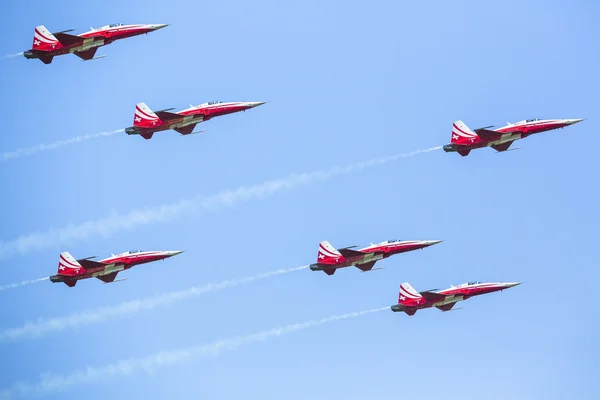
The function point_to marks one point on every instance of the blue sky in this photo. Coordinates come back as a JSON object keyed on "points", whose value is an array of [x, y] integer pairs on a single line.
{"points": [[346, 82]]}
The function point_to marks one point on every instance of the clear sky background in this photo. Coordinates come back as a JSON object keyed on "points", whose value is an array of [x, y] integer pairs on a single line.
{"points": [[346, 82]]}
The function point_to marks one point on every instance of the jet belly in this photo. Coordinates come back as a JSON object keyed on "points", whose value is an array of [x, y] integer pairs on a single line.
{"points": [[368, 257], [87, 44], [506, 137], [448, 300], [110, 269], [188, 120]]}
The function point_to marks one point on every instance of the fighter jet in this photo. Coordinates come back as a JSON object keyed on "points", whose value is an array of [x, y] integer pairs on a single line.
{"points": [[46, 45], [409, 300], [70, 270], [464, 139], [146, 122], [329, 259]]}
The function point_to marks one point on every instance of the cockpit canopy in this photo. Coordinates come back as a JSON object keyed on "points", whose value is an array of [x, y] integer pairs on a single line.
{"points": [[210, 103], [130, 252], [469, 284], [532, 120], [388, 242], [110, 26]]}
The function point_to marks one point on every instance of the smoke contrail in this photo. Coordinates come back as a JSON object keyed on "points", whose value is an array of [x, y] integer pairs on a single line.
{"points": [[50, 383], [44, 147], [11, 55], [23, 283], [166, 212], [76, 320]]}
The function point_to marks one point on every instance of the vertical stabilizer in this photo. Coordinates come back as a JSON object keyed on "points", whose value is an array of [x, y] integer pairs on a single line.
{"points": [[43, 40], [461, 134], [328, 254], [68, 266], [408, 296], [144, 117]]}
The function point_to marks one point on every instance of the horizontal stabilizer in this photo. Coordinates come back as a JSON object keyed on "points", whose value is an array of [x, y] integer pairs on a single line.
{"points": [[68, 40], [70, 283], [87, 258], [432, 297], [87, 264], [46, 59], [488, 135], [350, 253], [167, 116], [147, 135], [329, 270]]}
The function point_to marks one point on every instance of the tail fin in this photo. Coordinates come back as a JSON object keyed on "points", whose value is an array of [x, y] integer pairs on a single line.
{"points": [[144, 117], [408, 296], [43, 40], [328, 254], [68, 266], [461, 134]]}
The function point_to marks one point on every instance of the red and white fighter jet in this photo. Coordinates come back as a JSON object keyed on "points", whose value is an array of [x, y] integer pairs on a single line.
{"points": [[46, 45], [409, 300], [146, 122], [71, 270], [464, 139], [329, 259]]}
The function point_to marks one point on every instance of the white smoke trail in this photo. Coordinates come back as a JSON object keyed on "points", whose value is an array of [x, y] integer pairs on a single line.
{"points": [[166, 212], [50, 383], [11, 55], [23, 283], [45, 147], [76, 320]]}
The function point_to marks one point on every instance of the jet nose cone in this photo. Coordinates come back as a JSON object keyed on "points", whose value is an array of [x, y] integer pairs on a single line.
{"points": [[158, 26], [572, 121], [253, 104], [512, 284], [174, 253], [432, 242]]}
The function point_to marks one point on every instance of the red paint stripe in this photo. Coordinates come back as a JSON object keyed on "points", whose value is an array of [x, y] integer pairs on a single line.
{"points": [[460, 130], [47, 38], [69, 263], [144, 114]]}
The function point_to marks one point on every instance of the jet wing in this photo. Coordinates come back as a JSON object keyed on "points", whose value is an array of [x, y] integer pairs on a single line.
{"points": [[486, 134], [186, 130], [366, 266], [446, 307], [502, 146], [108, 278], [86, 55], [88, 264], [432, 297], [68, 40], [350, 253], [167, 116]]}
